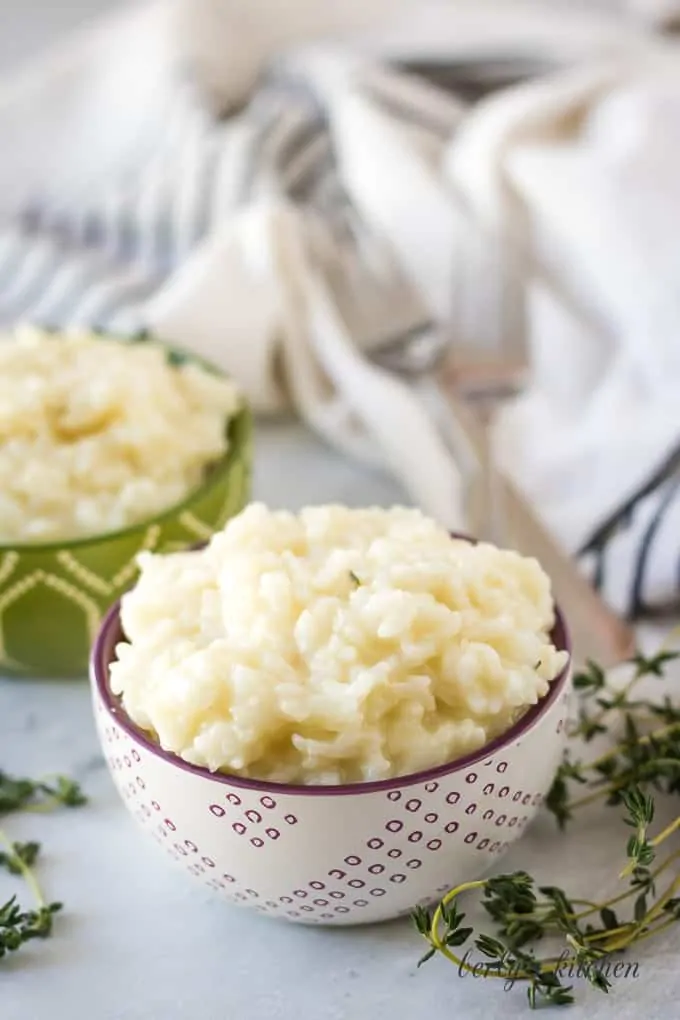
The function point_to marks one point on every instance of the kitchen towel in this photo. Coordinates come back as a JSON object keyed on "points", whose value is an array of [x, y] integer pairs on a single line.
{"points": [[127, 204], [228, 43]]}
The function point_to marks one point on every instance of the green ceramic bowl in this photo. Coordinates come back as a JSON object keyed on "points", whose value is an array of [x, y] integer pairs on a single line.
{"points": [[53, 597]]}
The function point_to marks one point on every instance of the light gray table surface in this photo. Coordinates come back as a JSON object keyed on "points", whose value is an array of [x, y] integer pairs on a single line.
{"points": [[30, 27], [138, 941]]}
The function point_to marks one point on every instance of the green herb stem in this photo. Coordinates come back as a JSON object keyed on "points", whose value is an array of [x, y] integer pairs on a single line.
{"points": [[667, 832], [26, 871], [17, 926]]}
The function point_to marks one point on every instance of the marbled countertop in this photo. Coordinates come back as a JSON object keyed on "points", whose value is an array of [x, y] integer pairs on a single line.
{"points": [[139, 941]]}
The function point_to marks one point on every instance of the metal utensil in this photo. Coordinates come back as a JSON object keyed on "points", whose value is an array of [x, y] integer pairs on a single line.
{"points": [[597, 632], [399, 336], [470, 370], [481, 356]]}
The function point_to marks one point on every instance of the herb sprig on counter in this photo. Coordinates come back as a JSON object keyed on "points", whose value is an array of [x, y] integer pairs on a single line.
{"points": [[586, 935], [19, 926]]}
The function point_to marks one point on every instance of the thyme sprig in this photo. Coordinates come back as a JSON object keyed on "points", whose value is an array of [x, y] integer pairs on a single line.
{"points": [[586, 935], [41, 795], [19, 926], [645, 757]]}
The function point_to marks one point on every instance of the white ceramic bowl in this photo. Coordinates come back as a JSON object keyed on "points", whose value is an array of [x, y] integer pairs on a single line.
{"points": [[336, 855]]}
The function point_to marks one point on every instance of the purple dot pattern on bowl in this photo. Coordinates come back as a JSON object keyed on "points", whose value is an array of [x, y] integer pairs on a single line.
{"points": [[417, 831]]}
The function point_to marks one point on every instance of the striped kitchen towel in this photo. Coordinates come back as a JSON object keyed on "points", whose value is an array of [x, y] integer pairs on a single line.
{"points": [[123, 200]]}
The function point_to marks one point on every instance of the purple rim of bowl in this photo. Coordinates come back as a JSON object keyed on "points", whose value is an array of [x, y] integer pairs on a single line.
{"points": [[111, 634]]}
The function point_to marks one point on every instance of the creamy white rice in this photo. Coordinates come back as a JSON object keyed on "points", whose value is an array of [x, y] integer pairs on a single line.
{"points": [[334, 646], [97, 435]]}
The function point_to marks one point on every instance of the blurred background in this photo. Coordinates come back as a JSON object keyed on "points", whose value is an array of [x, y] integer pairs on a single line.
{"points": [[192, 167], [30, 27]]}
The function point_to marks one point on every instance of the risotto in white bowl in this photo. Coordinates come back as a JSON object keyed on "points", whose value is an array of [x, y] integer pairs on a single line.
{"points": [[333, 646]]}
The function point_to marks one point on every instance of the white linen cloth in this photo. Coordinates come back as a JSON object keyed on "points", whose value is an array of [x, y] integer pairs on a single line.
{"points": [[228, 43], [126, 205]]}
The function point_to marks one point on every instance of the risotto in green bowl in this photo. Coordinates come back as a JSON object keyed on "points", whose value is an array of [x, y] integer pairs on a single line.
{"points": [[107, 449]]}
